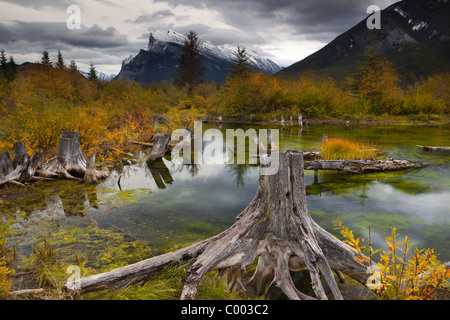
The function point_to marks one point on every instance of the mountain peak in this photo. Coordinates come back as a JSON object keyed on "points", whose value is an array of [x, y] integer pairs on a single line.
{"points": [[159, 59], [414, 35]]}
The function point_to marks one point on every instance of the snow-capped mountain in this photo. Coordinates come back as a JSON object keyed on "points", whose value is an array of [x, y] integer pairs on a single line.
{"points": [[414, 35], [101, 76], [159, 59]]}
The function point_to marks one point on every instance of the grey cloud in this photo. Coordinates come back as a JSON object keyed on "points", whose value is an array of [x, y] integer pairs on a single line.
{"points": [[57, 32], [305, 17], [148, 18], [37, 4]]}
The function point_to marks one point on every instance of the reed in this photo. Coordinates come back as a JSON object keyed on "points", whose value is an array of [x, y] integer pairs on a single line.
{"points": [[343, 149]]}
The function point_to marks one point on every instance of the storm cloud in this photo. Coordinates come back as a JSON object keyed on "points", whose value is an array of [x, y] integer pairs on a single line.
{"points": [[285, 31]]}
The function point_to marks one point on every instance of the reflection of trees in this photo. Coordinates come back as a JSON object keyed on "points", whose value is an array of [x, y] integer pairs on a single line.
{"points": [[239, 171], [340, 183], [74, 199], [160, 173]]}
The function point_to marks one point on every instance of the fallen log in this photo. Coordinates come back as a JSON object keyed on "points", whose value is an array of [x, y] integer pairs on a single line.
{"points": [[275, 227], [160, 147], [434, 148], [360, 166]]}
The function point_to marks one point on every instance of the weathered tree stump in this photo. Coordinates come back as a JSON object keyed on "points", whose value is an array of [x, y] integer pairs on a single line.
{"points": [[275, 227], [70, 161], [160, 147], [34, 165], [6, 166], [20, 164], [92, 175]]}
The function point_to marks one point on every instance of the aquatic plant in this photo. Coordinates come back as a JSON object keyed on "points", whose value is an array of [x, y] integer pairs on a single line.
{"points": [[343, 149]]}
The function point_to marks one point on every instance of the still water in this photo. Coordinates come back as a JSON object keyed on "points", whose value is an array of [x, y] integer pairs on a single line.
{"points": [[170, 203]]}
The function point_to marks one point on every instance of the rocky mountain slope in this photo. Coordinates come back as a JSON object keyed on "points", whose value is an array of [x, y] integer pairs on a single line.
{"points": [[414, 35], [159, 59]]}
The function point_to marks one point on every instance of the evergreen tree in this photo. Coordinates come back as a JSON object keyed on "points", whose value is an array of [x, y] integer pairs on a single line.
{"points": [[73, 66], [191, 69], [241, 67], [12, 69], [3, 62], [92, 75], [8, 69], [45, 59], [60, 62]]}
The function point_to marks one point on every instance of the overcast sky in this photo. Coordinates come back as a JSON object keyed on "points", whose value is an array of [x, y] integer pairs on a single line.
{"points": [[285, 31]]}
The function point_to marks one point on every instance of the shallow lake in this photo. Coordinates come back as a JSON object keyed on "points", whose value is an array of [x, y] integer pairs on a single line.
{"points": [[171, 203]]}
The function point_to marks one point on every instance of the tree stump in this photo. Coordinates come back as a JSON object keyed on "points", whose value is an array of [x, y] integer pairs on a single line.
{"points": [[275, 227], [20, 164], [6, 166], [92, 175], [34, 165], [160, 147], [70, 161]]}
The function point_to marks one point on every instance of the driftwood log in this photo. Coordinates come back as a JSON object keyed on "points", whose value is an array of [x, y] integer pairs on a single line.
{"points": [[434, 148], [360, 166], [160, 147], [275, 227]]}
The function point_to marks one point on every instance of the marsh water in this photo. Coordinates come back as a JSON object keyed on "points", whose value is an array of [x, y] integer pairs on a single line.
{"points": [[170, 203]]}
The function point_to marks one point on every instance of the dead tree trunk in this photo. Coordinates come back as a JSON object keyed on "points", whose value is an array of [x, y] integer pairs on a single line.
{"points": [[360, 166], [70, 161], [70, 157], [6, 166], [275, 227], [20, 164], [92, 175], [34, 165], [434, 148], [160, 147]]}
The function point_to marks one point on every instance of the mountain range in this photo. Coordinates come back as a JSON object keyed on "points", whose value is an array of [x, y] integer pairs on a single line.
{"points": [[414, 35], [160, 58]]}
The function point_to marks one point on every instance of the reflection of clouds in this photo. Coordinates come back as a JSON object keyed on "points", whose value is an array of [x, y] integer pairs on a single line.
{"points": [[431, 207]]}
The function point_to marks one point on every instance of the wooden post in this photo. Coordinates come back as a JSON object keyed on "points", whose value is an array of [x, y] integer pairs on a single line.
{"points": [[300, 120]]}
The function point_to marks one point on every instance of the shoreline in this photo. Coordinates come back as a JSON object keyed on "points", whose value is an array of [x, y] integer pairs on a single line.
{"points": [[333, 122]]}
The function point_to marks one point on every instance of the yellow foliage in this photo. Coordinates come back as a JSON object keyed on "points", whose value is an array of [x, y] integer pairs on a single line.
{"points": [[400, 278], [343, 149]]}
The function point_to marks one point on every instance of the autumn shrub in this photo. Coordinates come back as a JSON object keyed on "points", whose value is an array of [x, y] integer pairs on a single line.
{"points": [[343, 149], [402, 273]]}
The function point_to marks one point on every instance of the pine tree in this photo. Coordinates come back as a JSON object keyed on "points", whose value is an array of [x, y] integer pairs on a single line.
{"points": [[45, 59], [241, 67], [73, 66], [191, 69], [92, 75], [3, 62], [60, 62], [12, 69]]}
